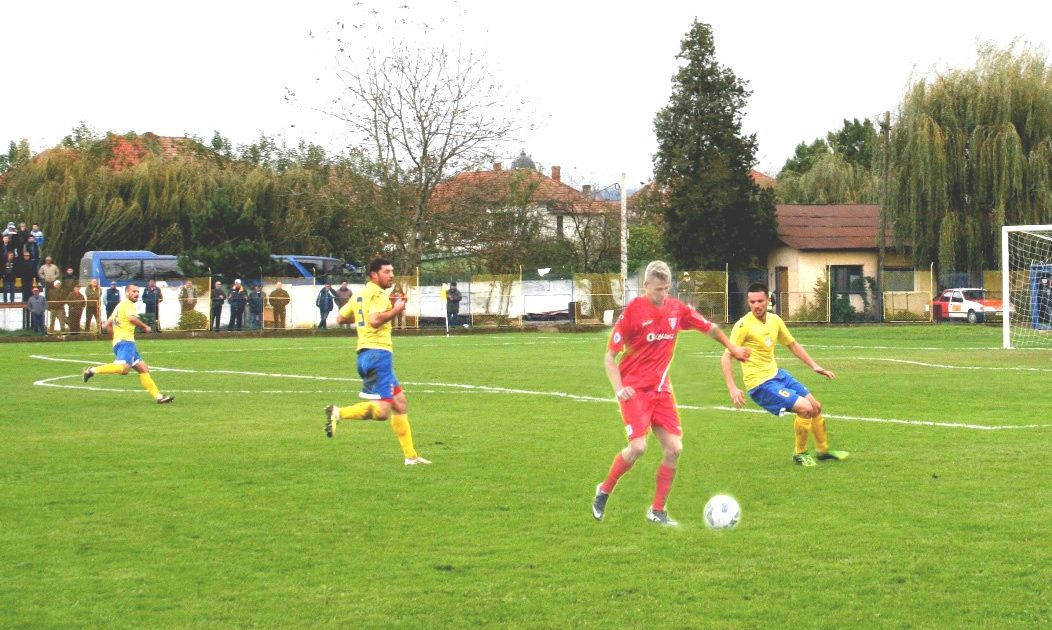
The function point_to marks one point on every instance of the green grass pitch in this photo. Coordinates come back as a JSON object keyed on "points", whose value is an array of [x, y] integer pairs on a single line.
{"points": [[231, 508]]}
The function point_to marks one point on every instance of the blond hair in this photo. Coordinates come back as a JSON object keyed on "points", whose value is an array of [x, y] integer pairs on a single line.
{"points": [[657, 270]]}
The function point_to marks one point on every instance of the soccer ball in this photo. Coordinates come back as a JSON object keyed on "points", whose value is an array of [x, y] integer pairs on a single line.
{"points": [[722, 512]]}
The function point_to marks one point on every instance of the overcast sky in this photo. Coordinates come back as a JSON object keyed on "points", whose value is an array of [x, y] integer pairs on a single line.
{"points": [[594, 72]]}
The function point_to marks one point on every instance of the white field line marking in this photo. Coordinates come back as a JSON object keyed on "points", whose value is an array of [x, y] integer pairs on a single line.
{"points": [[489, 389]]}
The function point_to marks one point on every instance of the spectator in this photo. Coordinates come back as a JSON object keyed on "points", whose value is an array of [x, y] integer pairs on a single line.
{"points": [[453, 298], [69, 280], [56, 305], [326, 299], [218, 297], [27, 271], [10, 272], [22, 236], [8, 246], [48, 273], [76, 303], [36, 305], [151, 299], [91, 317], [399, 320], [113, 298], [10, 230], [31, 247], [343, 295], [237, 299], [255, 307], [279, 299], [37, 234], [187, 296]]}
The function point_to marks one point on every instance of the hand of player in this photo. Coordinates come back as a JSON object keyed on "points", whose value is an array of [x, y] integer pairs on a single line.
{"points": [[737, 397], [625, 393], [824, 372], [741, 353]]}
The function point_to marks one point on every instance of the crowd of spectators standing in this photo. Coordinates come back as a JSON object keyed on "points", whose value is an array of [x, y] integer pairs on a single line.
{"points": [[54, 300]]}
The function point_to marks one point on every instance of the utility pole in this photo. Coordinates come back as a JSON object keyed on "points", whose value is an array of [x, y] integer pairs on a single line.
{"points": [[624, 240]]}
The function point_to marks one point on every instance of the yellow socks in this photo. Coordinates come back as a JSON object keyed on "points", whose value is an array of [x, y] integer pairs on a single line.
{"points": [[818, 428], [362, 411], [148, 384], [802, 427], [400, 425], [109, 368]]}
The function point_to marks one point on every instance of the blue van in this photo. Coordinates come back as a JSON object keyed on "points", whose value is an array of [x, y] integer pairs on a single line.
{"points": [[126, 266]]}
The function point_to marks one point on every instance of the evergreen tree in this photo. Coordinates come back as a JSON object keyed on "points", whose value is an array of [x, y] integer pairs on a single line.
{"points": [[714, 212]]}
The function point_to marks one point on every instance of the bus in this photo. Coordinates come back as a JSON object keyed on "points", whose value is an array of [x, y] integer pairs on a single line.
{"points": [[319, 269], [127, 266]]}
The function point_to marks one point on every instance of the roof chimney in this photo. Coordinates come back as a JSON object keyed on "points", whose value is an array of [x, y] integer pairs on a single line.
{"points": [[557, 173], [497, 166], [586, 190]]}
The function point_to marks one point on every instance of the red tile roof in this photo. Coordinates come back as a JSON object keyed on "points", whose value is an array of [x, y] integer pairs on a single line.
{"points": [[531, 186], [762, 179], [836, 226]]}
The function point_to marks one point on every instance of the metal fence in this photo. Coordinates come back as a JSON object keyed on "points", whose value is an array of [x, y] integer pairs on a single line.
{"points": [[509, 300]]}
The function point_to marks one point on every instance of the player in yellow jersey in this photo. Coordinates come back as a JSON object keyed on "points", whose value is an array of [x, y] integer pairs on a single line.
{"points": [[123, 322], [372, 312], [773, 389]]}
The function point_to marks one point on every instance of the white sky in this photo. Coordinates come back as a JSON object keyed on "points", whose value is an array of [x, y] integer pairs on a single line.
{"points": [[595, 72]]}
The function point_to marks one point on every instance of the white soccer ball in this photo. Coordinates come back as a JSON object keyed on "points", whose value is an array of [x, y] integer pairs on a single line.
{"points": [[722, 512]]}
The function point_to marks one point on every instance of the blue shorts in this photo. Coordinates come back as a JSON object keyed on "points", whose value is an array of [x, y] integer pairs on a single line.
{"points": [[126, 352], [779, 393], [376, 367]]}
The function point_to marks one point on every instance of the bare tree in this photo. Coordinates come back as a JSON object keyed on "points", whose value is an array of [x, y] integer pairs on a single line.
{"points": [[422, 114]]}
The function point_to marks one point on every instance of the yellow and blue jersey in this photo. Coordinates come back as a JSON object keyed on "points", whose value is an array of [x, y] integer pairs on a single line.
{"points": [[372, 299], [760, 338], [123, 328]]}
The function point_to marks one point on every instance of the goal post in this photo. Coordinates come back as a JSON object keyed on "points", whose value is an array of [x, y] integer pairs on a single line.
{"points": [[1026, 286]]}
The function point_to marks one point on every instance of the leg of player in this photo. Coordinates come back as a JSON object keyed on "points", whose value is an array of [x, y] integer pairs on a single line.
{"points": [[149, 385], [623, 462], [672, 445], [818, 428], [402, 431], [804, 411]]}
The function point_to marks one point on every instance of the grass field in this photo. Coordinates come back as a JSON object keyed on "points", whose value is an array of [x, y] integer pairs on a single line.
{"points": [[230, 507]]}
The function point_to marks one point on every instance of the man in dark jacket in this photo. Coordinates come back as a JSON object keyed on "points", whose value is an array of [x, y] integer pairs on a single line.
{"points": [[218, 297], [255, 308], [113, 298], [237, 299], [325, 301], [36, 305], [27, 273], [453, 298], [151, 299]]}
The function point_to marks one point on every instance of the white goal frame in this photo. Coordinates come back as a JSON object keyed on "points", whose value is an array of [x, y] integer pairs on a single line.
{"points": [[1006, 319]]}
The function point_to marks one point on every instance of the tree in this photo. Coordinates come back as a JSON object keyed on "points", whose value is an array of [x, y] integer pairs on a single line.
{"points": [[714, 212], [970, 151], [837, 169], [421, 113]]}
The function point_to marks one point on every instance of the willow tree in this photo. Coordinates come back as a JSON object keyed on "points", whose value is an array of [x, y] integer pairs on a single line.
{"points": [[970, 151], [830, 179]]}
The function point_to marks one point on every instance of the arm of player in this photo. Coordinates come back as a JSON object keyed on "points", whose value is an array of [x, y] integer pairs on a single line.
{"points": [[614, 374], [135, 321], [380, 318], [801, 354], [738, 352], [737, 395]]}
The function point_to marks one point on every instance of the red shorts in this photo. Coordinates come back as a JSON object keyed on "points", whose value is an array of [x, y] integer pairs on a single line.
{"points": [[649, 408]]}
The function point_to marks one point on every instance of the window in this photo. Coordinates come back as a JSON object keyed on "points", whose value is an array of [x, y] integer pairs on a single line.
{"points": [[163, 269], [898, 279], [846, 279], [122, 270]]}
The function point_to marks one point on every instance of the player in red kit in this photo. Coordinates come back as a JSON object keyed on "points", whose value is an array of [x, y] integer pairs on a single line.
{"points": [[645, 338]]}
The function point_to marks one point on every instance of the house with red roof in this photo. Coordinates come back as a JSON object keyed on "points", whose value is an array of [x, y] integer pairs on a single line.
{"points": [[839, 242]]}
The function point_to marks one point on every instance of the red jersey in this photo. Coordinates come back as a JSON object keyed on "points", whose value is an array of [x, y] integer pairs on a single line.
{"points": [[647, 336]]}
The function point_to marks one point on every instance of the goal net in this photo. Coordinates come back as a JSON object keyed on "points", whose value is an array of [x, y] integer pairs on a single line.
{"points": [[1026, 264]]}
